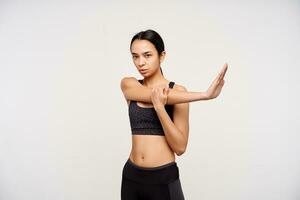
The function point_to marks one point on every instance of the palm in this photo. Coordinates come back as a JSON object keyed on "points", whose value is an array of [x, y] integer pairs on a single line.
{"points": [[215, 88]]}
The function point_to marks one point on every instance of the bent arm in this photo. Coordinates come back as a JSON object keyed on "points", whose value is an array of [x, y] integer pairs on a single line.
{"points": [[133, 90]]}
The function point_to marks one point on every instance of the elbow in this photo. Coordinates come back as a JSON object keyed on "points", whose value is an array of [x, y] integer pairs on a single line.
{"points": [[180, 151]]}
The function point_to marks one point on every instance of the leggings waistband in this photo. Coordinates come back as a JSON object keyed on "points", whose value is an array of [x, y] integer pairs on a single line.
{"points": [[151, 168], [163, 174]]}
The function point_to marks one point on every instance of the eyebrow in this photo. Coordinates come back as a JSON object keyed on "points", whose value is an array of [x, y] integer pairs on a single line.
{"points": [[143, 53]]}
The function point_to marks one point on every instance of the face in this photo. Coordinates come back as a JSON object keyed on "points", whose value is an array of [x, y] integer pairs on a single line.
{"points": [[145, 57]]}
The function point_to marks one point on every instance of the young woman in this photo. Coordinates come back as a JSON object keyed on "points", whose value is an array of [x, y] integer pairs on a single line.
{"points": [[159, 119]]}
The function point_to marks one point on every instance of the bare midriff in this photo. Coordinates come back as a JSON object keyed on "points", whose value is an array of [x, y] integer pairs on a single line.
{"points": [[150, 151]]}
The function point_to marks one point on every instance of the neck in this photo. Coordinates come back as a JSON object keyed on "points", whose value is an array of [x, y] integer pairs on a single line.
{"points": [[154, 80]]}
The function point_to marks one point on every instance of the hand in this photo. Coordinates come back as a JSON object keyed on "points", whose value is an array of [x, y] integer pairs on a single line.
{"points": [[159, 95], [215, 88]]}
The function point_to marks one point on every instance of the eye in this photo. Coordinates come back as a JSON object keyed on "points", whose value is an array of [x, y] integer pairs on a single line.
{"points": [[148, 55], [134, 57]]}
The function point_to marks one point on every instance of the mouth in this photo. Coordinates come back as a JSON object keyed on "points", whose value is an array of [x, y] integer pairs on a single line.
{"points": [[143, 71]]}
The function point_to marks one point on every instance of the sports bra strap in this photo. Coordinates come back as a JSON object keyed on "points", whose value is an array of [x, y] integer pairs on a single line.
{"points": [[171, 84]]}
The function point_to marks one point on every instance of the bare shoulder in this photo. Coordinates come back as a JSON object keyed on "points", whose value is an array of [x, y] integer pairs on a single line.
{"points": [[127, 81], [179, 87]]}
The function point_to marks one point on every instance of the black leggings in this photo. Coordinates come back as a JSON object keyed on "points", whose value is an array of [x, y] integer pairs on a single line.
{"points": [[151, 183]]}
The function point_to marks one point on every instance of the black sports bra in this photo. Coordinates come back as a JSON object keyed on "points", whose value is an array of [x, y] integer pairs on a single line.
{"points": [[144, 121]]}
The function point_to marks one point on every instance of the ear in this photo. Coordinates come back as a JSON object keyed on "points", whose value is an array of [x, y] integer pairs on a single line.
{"points": [[162, 56]]}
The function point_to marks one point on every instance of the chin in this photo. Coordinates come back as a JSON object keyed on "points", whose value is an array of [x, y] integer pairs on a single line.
{"points": [[145, 75]]}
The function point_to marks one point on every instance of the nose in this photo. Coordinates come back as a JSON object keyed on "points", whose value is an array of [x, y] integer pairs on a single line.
{"points": [[141, 62]]}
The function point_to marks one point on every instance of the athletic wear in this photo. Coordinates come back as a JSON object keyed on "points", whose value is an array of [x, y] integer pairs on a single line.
{"points": [[151, 183], [144, 121]]}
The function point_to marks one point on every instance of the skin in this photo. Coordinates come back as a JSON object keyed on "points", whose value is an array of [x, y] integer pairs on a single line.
{"points": [[153, 150]]}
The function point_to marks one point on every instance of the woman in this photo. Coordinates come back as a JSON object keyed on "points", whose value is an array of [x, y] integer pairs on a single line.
{"points": [[159, 119]]}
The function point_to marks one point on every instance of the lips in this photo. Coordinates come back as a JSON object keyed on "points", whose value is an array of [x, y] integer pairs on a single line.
{"points": [[143, 71]]}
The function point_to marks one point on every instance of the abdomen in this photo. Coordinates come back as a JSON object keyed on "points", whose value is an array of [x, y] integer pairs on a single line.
{"points": [[151, 150]]}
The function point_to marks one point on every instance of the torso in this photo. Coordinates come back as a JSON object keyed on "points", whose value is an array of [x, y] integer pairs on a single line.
{"points": [[150, 150]]}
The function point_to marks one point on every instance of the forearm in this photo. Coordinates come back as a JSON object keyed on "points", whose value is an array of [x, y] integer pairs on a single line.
{"points": [[173, 135], [175, 96], [135, 91], [143, 94]]}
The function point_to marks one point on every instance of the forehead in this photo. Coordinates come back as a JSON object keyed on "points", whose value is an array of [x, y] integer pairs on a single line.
{"points": [[142, 46]]}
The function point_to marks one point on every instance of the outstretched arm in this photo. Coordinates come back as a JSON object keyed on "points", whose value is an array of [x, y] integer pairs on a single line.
{"points": [[133, 90]]}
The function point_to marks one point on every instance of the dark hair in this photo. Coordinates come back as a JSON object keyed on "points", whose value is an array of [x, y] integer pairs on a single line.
{"points": [[153, 37]]}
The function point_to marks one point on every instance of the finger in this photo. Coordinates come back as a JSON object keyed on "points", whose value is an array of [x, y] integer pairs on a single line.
{"points": [[225, 67], [165, 90], [222, 72], [222, 82], [166, 86], [218, 78], [215, 83], [160, 91]]}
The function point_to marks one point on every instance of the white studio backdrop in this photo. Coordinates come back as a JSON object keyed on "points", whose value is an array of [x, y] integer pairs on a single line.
{"points": [[65, 132]]}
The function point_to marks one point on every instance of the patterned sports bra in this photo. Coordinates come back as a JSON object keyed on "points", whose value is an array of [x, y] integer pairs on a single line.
{"points": [[144, 121]]}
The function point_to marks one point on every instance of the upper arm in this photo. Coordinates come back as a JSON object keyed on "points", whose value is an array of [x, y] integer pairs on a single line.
{"points": [[133, 90], [181, 115]]}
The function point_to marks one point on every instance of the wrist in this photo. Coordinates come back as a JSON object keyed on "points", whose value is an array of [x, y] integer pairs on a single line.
{"points": [[159, 107], [203, 96]]}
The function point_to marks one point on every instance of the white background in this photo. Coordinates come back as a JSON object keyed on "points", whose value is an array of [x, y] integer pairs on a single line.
{"points": [[64, 126]]}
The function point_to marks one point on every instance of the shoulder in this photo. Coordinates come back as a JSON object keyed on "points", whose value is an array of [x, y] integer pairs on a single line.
{"points": [[180, 87], [181, 107], [127, 81]]}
